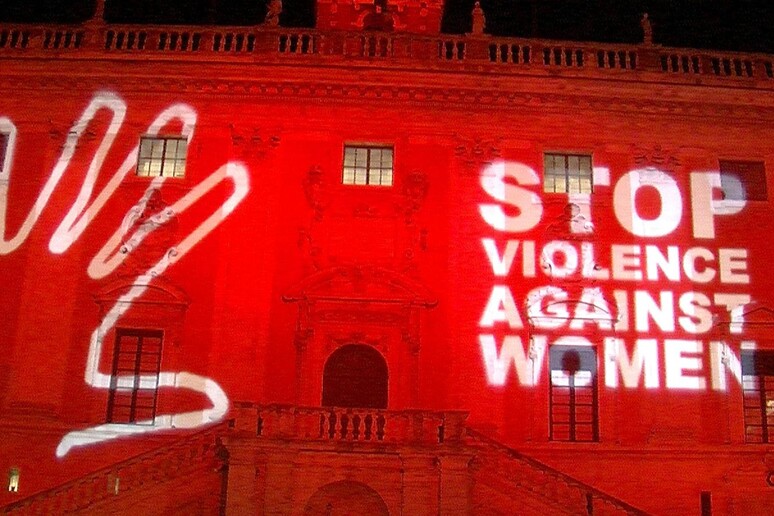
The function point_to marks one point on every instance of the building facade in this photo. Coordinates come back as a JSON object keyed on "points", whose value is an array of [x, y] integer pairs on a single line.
{"points": [[374, 268]]}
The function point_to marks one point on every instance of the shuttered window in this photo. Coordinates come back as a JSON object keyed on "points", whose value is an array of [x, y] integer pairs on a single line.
{"points": [[134, 382], [758, 390], [574, 411]]}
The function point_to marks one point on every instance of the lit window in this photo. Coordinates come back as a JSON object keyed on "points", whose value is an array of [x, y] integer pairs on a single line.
{"points": [[758, 390], [4, 140], [743, 180], [365, 165], [13, 480], [574, 411], [567, 173], [134, 383], [162, 156]]}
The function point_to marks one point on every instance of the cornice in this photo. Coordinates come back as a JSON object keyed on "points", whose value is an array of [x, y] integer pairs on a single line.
{"points": [[418, 95]]}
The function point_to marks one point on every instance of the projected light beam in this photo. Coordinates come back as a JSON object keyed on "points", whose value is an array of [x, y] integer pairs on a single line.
{"points": [[112, 253]]}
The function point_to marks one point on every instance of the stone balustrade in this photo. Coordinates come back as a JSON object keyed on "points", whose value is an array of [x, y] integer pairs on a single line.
{"points": [[495, 54], [348, 424]]}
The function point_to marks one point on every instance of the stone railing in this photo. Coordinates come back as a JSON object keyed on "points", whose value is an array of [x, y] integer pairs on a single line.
{"points": [[495, 54], [549, 483], [348, 424], [190, 454]]}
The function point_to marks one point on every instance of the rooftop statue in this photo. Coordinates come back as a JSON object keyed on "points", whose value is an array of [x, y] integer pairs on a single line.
{"points": [[479, 19], [273, 11], [647, 30]]}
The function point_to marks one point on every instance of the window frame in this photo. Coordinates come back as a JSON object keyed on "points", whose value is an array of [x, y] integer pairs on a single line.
{"points": [[5, 145], [568, 173], [368, 168], [758, 394], [745, 174], [591, 427], [115, 391], [163, 161]]}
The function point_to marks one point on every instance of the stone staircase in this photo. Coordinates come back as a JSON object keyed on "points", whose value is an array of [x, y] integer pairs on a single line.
{"points": [[195, 459], [536, 487], [190, 476]]}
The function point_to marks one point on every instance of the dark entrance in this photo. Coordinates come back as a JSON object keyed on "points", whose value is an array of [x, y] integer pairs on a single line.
{"points": [[355, 375]]}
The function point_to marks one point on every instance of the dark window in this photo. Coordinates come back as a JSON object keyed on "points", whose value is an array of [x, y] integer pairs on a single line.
{"points": [[706, 503], [573, 398], [365, 165], [743, 180], [162, 156], [758, 389], [567, 173], [355, 375], [134, 384], [4, 139]]}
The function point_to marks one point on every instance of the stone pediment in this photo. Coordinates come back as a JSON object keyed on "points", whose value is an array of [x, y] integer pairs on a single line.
{"points": [[753, 320], [159, 291], [374, 284]]}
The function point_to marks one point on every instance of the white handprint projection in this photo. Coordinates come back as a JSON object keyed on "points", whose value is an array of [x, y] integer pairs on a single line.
{"points": [[113, 253]]}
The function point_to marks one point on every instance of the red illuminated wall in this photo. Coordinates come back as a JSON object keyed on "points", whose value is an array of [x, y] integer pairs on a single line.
{"points": [[304, 264]]}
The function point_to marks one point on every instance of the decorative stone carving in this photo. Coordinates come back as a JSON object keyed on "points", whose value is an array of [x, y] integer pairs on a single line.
{"points": [[150, 228], [414, 192], [316, 191], [658, 158], [252, 144], [475, 153]]}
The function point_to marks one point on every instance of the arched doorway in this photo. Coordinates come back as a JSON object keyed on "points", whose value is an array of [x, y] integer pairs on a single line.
{"points": [[346, 498], [355, 375]]}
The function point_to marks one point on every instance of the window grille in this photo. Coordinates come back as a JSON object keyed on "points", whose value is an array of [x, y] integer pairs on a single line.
{"points": [[364, 165], [135, 377], [567, 173], [574, 411], [162, 156]]}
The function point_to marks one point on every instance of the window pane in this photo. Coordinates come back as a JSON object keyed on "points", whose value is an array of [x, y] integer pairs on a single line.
{"points": [[573, 165], [571, 173], [349, 156], [361, 156], [349, 175], [157, 149], [162, 156], [367, 165], [182, 149], [573, 185], [387, 158], [376, 157], [171, 150], [146, 144], [585, 186]]}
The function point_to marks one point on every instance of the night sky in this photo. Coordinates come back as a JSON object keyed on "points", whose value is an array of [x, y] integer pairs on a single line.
{"points": [[746, 25]]}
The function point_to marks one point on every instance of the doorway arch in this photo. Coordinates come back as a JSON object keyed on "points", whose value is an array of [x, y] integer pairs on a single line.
{"points": [[344, 498], [355, 375]]}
